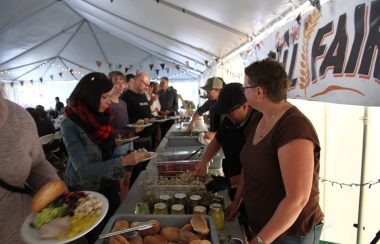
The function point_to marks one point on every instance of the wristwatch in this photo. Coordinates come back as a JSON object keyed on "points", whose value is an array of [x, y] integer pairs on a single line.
{"points": [[259, 240]]}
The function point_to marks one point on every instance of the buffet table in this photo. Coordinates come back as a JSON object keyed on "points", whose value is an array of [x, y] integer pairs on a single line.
{"points": [[137, 192]]}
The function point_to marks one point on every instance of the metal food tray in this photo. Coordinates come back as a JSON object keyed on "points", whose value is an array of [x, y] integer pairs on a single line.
{"points": [[170, 156], [165, 220], [174, 168]]}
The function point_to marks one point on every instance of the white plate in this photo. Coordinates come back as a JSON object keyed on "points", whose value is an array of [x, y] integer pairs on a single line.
{"points": [[159, 120], [175, 117], [30, 235], [139, 126], [152, 155], [126, 139]]}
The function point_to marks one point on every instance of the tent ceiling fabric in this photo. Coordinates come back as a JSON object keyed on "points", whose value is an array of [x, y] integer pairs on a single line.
{"points": [[55, 40]]}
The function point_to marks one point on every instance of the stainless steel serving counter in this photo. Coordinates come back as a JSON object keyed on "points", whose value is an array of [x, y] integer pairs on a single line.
{"points": [[137, 191]]}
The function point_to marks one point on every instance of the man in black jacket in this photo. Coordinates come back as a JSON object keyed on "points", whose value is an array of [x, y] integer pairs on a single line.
{"points": [[169, 103]]}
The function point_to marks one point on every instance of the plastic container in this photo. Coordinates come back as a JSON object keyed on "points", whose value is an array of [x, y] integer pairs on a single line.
{"points": [[165, 220]]}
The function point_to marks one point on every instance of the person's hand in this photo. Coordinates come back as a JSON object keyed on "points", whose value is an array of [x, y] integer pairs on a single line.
{"points": [[209, 136], [189, 129], [200, 169], [132, 158], [139, 129], [231, 211], [218, 183]]}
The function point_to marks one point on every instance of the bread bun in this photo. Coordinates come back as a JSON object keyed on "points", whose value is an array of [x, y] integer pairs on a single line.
{"points": [[136, 240], [187, 236], [118, 239], [47, 194], [187, 227], [200, 242], [151, 231], [170, 233], [199, 224], [120, 225], [156, 239]]}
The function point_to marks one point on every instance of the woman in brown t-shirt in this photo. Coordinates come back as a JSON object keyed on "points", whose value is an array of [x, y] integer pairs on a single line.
{"points": [[280, 162]]}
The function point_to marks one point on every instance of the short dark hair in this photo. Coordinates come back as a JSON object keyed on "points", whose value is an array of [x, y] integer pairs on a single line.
{"points": [[57, 98], [129, 76], [164, 78], [270, 75], [89, 90]]}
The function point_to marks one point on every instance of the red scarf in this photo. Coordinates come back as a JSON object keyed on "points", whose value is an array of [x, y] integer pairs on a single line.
{"points": [[97, 126]]}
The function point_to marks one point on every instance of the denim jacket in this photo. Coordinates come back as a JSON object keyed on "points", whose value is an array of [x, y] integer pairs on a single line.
{"points": [[85, 167]]}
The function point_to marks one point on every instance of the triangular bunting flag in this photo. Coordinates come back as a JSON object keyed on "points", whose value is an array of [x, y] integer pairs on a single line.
{"points": [[206, 63], [71, 71], [187, 62], [177, 66], [60, 74], [41, 79], [167, 70], [31, 81], [52, 77], [151, 66], [22, 82], [12, 84], [119, 66], [110, 66], [157, 71], [98, 63], [126, 70], [162, 66]]}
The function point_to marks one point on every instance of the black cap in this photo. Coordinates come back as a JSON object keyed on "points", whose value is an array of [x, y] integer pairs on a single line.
{"points": [[230, 97]]}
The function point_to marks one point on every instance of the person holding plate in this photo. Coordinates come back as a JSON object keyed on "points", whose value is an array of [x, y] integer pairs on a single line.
{"points": [[23, 163], [88, 137]]}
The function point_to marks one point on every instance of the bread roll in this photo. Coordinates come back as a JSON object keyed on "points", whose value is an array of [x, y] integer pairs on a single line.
{"points": [[200, 242], [170, 233], [187, 227], [136, 240], [199, 224], [47, 194], [156, 239], [120, 225], [118, 239], [152, 231], [187, 236]]}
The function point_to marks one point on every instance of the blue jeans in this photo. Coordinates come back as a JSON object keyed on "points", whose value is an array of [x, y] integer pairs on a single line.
{"points": [[311, 238]]}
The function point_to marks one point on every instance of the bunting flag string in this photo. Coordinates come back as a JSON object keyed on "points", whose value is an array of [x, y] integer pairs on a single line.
{"points": [[369, 184]]}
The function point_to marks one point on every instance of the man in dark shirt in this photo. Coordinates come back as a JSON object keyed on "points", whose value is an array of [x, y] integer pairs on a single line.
{"points": [[231, 137], [169, 103], [212, 87], [139, 108], [58, 106]]}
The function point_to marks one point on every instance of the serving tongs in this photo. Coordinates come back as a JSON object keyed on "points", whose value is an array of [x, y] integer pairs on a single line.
{"points": [[193, 153], [142, 226]]}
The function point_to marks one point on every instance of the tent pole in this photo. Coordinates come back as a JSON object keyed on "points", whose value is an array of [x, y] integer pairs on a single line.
{"points": [[362, 177]]}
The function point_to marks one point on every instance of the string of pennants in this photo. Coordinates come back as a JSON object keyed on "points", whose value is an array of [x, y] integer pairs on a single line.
{"points": [[99, 64]]}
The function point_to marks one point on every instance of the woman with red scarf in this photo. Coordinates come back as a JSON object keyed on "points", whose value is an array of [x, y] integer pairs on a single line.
{"points": [[87, 134]]}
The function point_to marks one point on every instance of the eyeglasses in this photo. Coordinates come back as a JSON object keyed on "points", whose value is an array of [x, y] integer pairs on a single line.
{"points": [[146, 84], [247, 87]]}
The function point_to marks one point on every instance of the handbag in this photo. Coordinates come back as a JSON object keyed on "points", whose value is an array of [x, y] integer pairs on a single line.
{"points": [[17, 189]]}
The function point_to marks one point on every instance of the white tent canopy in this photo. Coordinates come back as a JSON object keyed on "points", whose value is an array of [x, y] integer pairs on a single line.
{"points": [[43, 40]]}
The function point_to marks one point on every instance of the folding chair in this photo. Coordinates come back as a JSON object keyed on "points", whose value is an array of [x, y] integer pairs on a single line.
{"points": [[55, 144]]}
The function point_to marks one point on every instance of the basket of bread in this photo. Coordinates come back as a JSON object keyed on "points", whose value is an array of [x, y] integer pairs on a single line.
{"points": [[182, 229]]}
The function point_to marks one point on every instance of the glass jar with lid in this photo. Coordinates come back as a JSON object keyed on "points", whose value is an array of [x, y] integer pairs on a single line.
{"points": [[180, 198], [217, 213], [160, 208], [165, 198], [141, 208], [195, 200], [177, 209], [199, 210]]}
